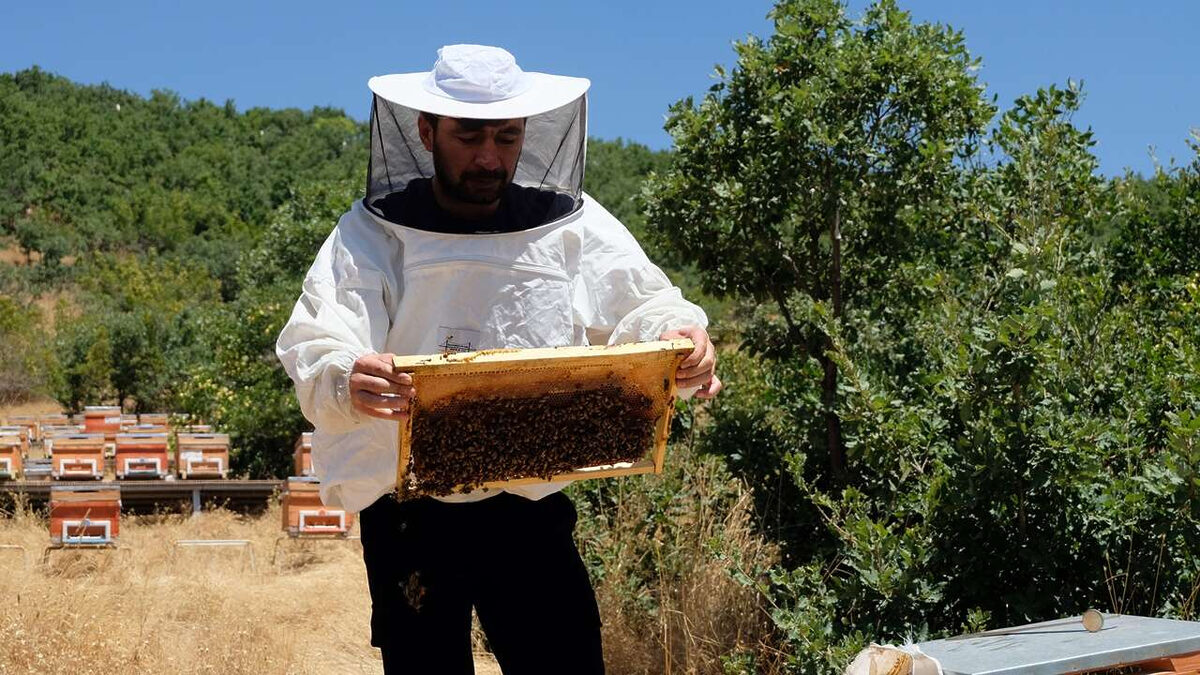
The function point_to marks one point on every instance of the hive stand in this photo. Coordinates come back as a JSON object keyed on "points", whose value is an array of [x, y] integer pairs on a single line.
{"points": [[17, 547], [242, 544]]}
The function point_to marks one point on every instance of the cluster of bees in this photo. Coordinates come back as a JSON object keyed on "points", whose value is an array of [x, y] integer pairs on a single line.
{"points": [[461, 444]]}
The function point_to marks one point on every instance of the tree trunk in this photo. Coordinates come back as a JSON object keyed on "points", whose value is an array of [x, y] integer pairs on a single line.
{"points": [[833, 423]]}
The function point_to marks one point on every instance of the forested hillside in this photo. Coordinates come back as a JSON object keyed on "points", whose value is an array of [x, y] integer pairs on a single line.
{"points": [[155, 246]]}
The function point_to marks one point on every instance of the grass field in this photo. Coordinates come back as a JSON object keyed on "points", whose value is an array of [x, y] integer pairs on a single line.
{"points": [[153, 608]]}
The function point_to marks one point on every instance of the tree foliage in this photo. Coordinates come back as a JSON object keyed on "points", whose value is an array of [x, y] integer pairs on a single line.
{"points": [[789, 177], [1014, 339], [95, 168]]}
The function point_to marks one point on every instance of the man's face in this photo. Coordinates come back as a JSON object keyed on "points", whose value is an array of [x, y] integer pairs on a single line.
{"points": [[474, 159]]}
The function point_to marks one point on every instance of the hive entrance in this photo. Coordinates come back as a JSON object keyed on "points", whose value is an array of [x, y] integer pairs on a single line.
{"points": [[87, 530]]}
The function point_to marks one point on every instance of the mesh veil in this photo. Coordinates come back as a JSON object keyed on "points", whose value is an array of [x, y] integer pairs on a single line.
{"points": [[552, 157]]}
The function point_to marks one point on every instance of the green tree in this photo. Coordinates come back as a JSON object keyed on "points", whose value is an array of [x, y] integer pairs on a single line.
{"points": [[24, 369], [790, 177]]}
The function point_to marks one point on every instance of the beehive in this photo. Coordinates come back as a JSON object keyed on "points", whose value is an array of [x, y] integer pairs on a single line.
{"points": [[202, 455], [77, 456], [502, 418], [102, 419], [302, 455], [141, 455], [53, 419], [84, 516], [49, 431], [128, 420], [146, 429], [160, 419], [305, 515], [30, 423], [49, 421], [21, 432], [52, 434], [11, 455]]}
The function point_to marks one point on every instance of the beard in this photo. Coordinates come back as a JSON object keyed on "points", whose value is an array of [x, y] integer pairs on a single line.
{"points": [[470, 187]]}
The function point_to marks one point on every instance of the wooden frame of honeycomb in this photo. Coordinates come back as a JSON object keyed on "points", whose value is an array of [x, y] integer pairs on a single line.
{"points": [[644, 370]]}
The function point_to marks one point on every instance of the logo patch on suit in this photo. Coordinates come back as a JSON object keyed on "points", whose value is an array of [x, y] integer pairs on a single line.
{"points": [[455, 340]]}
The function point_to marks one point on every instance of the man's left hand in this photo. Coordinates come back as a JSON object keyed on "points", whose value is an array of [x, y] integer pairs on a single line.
{"points": [[697, 369]]}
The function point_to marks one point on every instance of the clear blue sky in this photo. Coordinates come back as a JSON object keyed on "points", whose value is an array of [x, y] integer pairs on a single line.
{"points": [[1138, 61]]}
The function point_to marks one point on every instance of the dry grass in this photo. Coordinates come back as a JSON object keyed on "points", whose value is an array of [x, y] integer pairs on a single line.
{"points": [[155, 608], [39, 406], [703, 615], [152, 608], [12, 254]]}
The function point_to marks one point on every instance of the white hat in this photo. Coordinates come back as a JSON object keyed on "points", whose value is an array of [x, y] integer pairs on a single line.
{"points": [[479, 82]]}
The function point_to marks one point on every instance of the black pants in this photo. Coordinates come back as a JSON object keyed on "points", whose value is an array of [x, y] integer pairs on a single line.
{"points": [[511, 558]]}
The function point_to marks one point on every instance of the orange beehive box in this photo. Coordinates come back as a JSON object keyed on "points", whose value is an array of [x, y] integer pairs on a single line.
{"points": [[50, 435], [21, 432], [146, 429], [141, 455], [84, 516], [128, 420], [28, 421], [305, 515], [49, 431], [303, 454], [161, 419], [10, 457], [77, 456], [202, 455], [102, 419], [53, 419]]}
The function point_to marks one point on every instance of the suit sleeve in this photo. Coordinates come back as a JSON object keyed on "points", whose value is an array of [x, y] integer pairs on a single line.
{"points": [[620, 295], [339, 317]]}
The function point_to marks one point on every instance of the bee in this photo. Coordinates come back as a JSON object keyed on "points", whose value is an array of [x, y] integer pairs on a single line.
{"points": [[463, 443]]}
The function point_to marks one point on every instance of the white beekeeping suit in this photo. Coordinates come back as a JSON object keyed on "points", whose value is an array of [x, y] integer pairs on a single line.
{"points": [[573, 276]]}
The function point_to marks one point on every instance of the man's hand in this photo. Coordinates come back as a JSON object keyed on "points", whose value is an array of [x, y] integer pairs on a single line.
{"points": [[697, 369], [376, 389]]}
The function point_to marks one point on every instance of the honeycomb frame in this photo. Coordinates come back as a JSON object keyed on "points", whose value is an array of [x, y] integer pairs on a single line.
{"points": [[646, 367]]}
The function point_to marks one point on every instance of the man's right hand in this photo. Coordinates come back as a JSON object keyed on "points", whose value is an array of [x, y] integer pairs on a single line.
{"points": [[376, 389]]}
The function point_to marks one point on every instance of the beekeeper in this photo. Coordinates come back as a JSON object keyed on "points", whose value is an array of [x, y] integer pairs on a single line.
{"points": [[475, 233]]}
